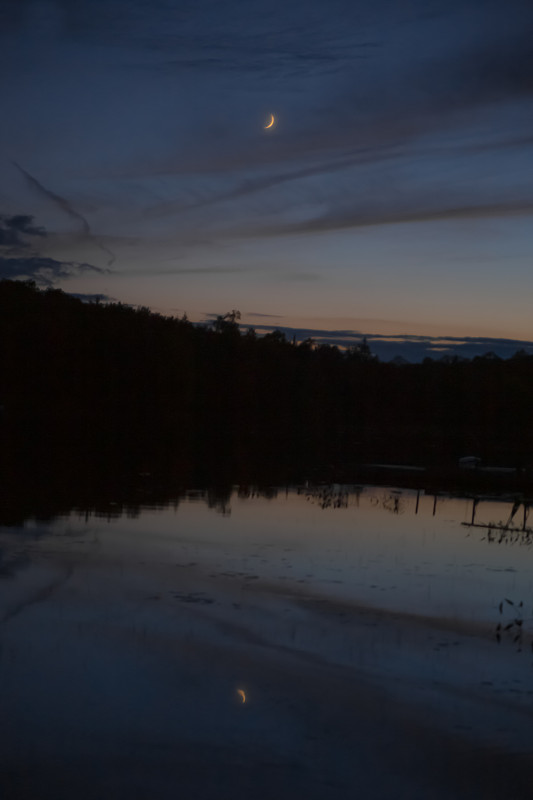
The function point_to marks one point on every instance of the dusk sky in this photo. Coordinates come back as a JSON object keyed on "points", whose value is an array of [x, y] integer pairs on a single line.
{"points": [[393, 195]]}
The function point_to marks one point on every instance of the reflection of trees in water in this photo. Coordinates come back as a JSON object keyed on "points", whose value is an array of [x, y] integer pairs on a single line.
{"points": [[331, 496], [340, 496], [393, 502], [514, 625], [514, 530], [245, 492], [218, 498], [498, 534]]}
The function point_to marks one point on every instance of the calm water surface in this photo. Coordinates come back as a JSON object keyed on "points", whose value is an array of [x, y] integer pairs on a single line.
{"points": [[390, 548], [130, 638]]}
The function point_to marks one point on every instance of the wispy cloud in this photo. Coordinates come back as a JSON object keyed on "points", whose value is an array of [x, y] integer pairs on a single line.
{"points": [[262, 183], [188, 271], [262, 316], [15, 229], [19, 260], [341, 219], [45, 271], [412, 347], [92, 298], [67, 208]]}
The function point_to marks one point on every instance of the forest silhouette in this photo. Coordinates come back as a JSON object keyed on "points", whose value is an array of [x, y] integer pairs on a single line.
{"points": [[94, 396]]}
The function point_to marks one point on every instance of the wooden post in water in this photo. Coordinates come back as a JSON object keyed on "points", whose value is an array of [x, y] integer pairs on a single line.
{"points": [[417, 501], [475, 501]]}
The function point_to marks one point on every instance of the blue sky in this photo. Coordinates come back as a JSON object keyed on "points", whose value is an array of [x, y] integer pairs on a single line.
{"points": [[393, 195]]}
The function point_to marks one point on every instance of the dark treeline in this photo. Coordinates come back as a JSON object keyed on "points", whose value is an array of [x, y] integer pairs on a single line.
{"points": [[109, 388]]}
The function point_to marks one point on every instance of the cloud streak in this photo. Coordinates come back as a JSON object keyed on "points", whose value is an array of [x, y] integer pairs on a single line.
{"points": [[92, 298], [189, 271], [66, 207], [19, 261], [14, 230], [338, 220], [45, 271], [412, 347], [263, 183]]}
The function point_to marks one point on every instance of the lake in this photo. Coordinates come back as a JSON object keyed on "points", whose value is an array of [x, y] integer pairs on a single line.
{"points": [[291, 641]]}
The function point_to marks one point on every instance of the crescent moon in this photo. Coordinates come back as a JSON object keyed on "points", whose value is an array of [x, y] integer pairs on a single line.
{"points": [[242, 695], [272, 121]]}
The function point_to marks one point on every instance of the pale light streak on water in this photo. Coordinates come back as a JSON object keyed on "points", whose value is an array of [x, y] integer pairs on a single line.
{"points": [[379, 548]]}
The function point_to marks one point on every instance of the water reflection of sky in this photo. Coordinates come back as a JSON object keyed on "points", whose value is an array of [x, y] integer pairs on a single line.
{"points": [[384, 547]]}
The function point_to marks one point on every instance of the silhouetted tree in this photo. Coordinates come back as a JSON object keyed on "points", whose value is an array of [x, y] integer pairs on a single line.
{"points": [[127, 389]]}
